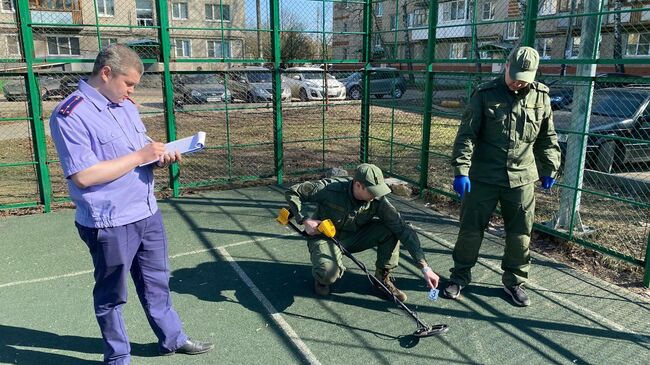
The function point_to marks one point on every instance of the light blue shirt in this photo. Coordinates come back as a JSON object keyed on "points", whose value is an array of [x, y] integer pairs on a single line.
{"points": [[94, 129]]}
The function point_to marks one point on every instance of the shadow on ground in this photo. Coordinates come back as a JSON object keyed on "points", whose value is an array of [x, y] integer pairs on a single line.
{"points": [[20, 345]]}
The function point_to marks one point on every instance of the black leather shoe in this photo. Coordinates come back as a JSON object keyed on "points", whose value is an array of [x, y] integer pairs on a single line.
{"points": [[191, 347]]}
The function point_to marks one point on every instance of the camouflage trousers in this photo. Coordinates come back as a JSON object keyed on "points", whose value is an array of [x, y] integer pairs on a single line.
{"points": [[518, 211], [326, 257]]}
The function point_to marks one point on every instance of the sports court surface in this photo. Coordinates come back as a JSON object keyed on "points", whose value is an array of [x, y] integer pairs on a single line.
{"points": [[243, 281]]}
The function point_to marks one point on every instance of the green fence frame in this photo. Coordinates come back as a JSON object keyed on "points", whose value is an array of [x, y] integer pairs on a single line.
{"points": [[427, 67]]}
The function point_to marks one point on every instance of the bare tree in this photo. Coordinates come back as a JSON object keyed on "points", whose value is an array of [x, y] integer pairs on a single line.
{"points": [[294, 44], [618, 37], [356, 14], [568, 42], [407, 42]]}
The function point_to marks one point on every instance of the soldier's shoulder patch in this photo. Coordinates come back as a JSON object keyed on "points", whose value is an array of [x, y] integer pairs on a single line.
{"points": [[307, 187], [70, 104], [541, 87]]}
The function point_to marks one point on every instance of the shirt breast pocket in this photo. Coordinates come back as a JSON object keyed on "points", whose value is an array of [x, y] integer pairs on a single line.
{"points": [[111, 144], [142, 132], [335, 212], [496, 121], [534, 117]]}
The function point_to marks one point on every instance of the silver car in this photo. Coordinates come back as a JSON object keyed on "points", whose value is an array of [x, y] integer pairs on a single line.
{"points": [[253, 85]]}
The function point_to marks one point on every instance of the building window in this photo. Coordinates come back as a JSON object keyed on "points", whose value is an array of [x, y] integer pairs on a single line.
{"points": [[345, 27], [63, 46], [8, 6], [544, 46], [379, 9], [13, 46], [144, 13], [487, 11], [638, 44], [212, 12], [345, 53], [453, 10], [575, 48], [182, 48], [564, 6], [419, 18], [393, 22], [179, 11], [217, 49], [105, 42], [105, 8], [547, 7], [458, 51], [512, 30]]}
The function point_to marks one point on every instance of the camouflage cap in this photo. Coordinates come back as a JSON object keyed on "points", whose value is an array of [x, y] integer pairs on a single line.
{"points": [[523, 64], [372, 177]]}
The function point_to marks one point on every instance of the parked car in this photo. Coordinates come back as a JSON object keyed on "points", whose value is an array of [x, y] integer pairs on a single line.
{"points": [[199, 88], [383, 81], [308, 83], [615, 112], [561, 93], [50, 87], [253, 84]]}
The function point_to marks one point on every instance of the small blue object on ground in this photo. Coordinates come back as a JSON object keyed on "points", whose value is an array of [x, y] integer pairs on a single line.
{"points": [[433, 294]]}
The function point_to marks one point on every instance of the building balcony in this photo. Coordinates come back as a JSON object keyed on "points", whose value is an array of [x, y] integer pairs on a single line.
{"points": [[459, 31], [56, 12]]}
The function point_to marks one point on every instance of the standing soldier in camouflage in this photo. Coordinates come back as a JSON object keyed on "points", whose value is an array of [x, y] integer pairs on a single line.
{"points": [[364, 218], [505, 142]]}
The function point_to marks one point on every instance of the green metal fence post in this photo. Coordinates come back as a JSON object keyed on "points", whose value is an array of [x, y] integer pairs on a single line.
{"points": [[428, 97], [277, 90], [646, 271], [168, 88], [34, 106], [530, 27], [365, 99]]}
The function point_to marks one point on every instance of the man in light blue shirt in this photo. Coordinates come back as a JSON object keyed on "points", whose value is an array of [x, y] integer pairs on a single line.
{"points": [[101, 142]]}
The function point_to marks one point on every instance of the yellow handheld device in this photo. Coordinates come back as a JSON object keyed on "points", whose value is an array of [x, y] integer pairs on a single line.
{"points": [[284, 216], [327, 228]]}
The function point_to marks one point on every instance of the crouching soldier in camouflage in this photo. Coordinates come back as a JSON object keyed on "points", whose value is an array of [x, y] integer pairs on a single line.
{"points": [[364, 218]]}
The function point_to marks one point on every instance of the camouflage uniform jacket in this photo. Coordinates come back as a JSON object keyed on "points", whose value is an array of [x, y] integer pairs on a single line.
{"points": [[334, 200], [502, 134]]}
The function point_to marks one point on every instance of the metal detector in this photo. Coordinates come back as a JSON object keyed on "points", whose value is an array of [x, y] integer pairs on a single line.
{"points": [[328, 230]]}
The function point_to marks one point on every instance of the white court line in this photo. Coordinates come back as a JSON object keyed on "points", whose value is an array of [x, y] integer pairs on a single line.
{"points": [[84, 272], [591, 314], [279, 320], [40, 280]]}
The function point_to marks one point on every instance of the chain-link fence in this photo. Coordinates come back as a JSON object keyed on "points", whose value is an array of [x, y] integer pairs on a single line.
{"points": [[294, 87], [594, 59]]}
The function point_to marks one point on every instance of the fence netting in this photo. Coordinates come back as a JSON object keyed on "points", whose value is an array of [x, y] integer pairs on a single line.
{"points": [[292, 88]]}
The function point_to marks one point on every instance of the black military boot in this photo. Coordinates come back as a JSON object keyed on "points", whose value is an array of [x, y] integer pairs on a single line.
{"points": [[384, 276]]}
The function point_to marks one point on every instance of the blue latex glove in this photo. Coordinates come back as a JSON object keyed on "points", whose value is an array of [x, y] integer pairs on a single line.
{"points": [[547, 182], [462, 185]]}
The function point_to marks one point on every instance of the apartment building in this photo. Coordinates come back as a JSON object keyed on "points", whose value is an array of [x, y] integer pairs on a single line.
{"points": [[77, 29], [401, 28]]}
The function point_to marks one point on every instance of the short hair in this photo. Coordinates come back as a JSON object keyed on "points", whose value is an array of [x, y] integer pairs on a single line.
{"points": [[119, 58]]}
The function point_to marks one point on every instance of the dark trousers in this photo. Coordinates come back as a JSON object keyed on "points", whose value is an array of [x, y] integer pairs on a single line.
{"points": [[518, 211], [141, 249], [326, 258]]}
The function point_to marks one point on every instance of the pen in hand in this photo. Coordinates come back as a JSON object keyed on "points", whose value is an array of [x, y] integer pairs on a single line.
{"points": [[148, 139]]}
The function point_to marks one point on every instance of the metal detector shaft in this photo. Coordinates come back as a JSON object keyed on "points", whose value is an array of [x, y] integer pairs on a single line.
{"points": [[328, 230], [378, 282]]}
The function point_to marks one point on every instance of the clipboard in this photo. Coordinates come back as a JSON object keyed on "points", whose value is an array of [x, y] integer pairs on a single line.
{"points": [[185, 145]]}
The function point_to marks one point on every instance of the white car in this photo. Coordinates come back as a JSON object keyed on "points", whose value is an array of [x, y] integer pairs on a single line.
{"points": [[308, 83]]}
